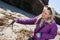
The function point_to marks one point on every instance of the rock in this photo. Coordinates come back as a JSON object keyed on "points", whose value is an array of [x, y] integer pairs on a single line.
{"points": [[33, 6], [3, 21], [57, 19], [1, 15], [9, 34], [24, 34]]}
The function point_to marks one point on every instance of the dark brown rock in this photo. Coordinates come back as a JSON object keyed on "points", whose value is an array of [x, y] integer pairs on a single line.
{"points": [[33, 6], [57, 19]]}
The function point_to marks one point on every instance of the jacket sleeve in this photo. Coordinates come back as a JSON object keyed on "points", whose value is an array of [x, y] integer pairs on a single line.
{"points": [[27, 21], [52, 33]]}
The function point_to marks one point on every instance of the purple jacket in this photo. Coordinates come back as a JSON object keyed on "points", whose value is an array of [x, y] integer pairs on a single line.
{"points": [[48, 31]]}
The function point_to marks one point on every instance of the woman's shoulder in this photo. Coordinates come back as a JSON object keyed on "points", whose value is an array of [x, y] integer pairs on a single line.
{"points": [[53, 23]]}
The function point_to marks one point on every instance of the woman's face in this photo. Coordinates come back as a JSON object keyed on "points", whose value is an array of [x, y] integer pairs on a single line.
{"points": [[46, 13]]}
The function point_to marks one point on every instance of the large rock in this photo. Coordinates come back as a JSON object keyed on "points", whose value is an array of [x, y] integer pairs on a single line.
{"points": [[57, 19], [33, 6]]}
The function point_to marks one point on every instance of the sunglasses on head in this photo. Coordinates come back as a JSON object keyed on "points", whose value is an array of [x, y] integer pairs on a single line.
{"points": [[49, 9]]}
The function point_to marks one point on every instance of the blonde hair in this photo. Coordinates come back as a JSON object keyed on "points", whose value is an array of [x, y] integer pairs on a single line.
{"points": [[53, 12], [51, 19]]}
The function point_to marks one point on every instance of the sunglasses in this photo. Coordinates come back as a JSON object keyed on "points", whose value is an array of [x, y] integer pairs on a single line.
{"points": [[49, 9]]}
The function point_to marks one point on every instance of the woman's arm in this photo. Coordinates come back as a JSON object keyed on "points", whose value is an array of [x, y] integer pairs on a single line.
{"points": [[27, 21]]}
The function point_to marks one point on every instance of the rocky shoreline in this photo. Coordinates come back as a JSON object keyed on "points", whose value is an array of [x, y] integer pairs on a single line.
{"points": [[15, 31]]}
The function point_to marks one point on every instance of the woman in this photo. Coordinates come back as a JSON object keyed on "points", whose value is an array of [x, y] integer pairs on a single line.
{"points": [[46, 27]]}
